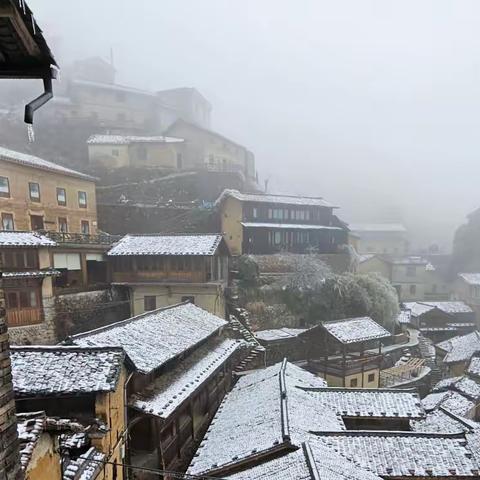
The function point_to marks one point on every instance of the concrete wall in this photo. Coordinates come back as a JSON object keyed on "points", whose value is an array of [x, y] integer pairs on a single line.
{"points": [[209, 296], [231, 215], [361, 378], [20, 205]]}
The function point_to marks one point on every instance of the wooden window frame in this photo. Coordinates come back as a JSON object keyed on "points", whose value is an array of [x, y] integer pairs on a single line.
{"points": [[87, 223], [62, 203], [64, 221], [6, 194], [31, 222], [80, 205], [9, 215], [34, 199]]}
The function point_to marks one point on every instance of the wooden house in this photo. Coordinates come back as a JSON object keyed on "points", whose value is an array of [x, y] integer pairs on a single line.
{"points": [[85, 386], [347, 353], [256, 223], [162, 270], [454, 354], [182, 369]]}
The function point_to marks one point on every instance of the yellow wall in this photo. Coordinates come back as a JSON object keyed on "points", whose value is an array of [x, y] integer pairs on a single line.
{"points": [[110, 407], [335, 381], [45, 461], [209, 296], [103, 155], [20, 205], [375, 265], [231, 213]]}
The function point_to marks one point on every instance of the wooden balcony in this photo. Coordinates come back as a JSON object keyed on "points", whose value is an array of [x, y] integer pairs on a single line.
{"points": [[24, 317]]}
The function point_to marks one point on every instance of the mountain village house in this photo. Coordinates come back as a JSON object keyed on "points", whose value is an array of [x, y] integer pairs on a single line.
{"points": [[254, 223], [380, 238], [117, 151], [81, 393], [182, 366], [162, 270], [36, 194], [207, 149], [467, 289]]}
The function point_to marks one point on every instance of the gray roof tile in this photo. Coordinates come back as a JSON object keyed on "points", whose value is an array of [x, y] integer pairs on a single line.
{"points": [[353, 330]]}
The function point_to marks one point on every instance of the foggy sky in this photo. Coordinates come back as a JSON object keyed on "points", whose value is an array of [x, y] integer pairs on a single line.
{"points": [[373, 105]]}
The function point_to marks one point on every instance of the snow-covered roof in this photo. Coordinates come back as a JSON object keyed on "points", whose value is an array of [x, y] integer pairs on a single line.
{"points": [[171, 389], [312, 461], [32, 274], [465, 385], [129, 139], [114, 87], [30, 426], [86, 467], [354, 330], [450, 307], [290, 226], [406, 260], [167, 245], [470, 278], [418, 308], [13, 156], [278, 199], [377, 227], [443, 421], [153, 338], [402, 454], [24, 239], [452, 401], [62, 370], [460, 348], [279, 334], [380, 403], [474, 367], [263, 413]]}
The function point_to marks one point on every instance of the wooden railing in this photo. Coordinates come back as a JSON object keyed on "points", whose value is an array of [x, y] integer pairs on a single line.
{"points": [[23, 317]]}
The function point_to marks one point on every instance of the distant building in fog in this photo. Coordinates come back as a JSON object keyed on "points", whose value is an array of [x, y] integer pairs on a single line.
{"points": [[381, 238]]}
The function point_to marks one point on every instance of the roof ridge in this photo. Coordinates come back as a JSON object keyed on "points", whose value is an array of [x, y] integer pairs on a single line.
{"points": [[386, 433], [65, 348], [346, 319], [175, 234], [456, 417], [126, 321]]}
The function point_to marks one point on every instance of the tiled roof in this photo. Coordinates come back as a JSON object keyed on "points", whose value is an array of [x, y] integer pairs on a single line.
{"points": [[403, 454], [377, 227], [128, 139], [30, 427], [404, 317], [167, 245], [279, 199], [311, 462], [255, 417], [86, 467], [353, 330], [418, 308], [465, 385], [460, 348], [24, 239], [474, 367], [171, 389], [62, 370], [470, 278], [443, 421], [451, 307], [452, 401], [154, 338], [279, 334], [379, 403], [289, 226], [31, 274], [35, 162]]}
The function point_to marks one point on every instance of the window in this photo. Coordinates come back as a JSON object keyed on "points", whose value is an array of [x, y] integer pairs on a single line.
{"points": [[115, 152], [413, 289], [371, 377], [411, 271], [4, 187], [255, 212], [188, 298], [20, 259], [277, 238], [62, 225], [61, 196], [34, 190], [36, 222], [149, 302], [22, 299], [7, 221], [353, 382], [270, 213], [85, 227], [82, 199]]}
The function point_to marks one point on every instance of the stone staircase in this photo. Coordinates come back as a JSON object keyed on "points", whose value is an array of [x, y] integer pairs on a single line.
{"points": [[427, 351]]}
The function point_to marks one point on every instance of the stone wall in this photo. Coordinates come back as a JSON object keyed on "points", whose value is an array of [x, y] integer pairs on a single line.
{"points": [[80, 312], [9, 453]]}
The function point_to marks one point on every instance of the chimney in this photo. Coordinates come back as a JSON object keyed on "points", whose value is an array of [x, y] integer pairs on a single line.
{"points": [[9, 446]]}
